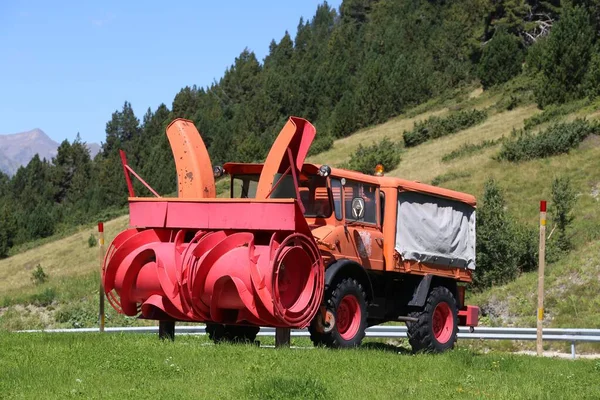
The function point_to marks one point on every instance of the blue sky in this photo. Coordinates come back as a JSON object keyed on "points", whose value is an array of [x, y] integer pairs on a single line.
{"points": [[66, 66]]}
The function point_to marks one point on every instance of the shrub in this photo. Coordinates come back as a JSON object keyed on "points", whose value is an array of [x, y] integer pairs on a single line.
{"points": [[504, 248], [435, 127], [551, 112], [563, 201], [557, 139], [38, 276], [92, 242], [469, 148], [365, 159], [500, 60], [80, 315], [496, 258], [320, 144], [526, 241], [44, 298]]}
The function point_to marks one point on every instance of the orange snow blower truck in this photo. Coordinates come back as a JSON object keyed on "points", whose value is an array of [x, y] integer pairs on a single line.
{"points": [[295, 245]]}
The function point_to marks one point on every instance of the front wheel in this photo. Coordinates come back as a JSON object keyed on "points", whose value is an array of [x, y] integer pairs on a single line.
{"points": [[347, 302], [436, 327]]}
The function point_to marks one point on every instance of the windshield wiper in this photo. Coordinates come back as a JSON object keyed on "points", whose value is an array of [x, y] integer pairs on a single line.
{"points": [[353, 222]]}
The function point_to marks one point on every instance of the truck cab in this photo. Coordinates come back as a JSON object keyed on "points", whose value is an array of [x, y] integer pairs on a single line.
{"points": [[354, 219]]}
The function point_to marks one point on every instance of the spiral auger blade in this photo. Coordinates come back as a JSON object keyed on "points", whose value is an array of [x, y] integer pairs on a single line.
{"points": [[230, 261], [224, 278]]}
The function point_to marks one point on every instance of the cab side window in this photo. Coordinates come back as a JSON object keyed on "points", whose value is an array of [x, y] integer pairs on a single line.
{"points": [[336, 191], [381, 207], [353, 189]]}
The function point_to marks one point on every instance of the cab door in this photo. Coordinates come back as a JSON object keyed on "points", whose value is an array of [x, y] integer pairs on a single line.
{"points": [[363, 223]]}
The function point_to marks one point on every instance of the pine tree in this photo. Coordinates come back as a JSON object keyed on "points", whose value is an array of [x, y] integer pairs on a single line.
{"points": [[8, 227], [566, 58], [122, 133], [496, 255], [501, 59]]}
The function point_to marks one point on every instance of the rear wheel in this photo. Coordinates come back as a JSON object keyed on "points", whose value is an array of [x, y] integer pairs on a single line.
{"points": [[437, 324], [220, 333], [347, 302]]}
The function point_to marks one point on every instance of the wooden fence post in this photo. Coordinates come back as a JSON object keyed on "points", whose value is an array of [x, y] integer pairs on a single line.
{"points": [[101, 252], [542, 265]]}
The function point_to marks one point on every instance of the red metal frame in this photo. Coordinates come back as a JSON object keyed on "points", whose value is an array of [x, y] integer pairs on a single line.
{"points": [[278, 181], [126, 170], [294, 177]]}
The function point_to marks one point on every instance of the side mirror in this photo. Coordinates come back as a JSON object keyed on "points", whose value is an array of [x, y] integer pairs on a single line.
{"points": [[358, 208]]}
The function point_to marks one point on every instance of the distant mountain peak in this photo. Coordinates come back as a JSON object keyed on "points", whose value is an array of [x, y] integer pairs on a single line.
{"points": [[17, 149], [37, 132]]}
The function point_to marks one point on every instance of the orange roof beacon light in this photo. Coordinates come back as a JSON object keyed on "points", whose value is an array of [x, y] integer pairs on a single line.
{"points": [[264, 257]]}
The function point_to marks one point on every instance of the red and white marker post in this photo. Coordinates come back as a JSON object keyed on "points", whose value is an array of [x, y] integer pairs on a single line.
{"points": [[101, 303], [542, 265]]}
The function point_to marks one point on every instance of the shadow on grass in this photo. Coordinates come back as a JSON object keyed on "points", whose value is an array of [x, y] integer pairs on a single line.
{"points": [[287, 388], [385, 347]]}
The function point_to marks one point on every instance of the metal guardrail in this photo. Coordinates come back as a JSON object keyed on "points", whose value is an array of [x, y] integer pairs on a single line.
{"points": [[383, 331]]}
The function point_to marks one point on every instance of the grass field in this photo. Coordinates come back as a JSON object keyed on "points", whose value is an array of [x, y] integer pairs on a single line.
{"points": [[141, 367]]}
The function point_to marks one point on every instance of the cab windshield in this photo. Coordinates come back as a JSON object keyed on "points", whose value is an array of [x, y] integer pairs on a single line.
{"points": [[314, 193]]}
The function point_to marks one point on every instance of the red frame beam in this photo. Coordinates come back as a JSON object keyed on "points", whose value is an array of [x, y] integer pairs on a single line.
{"points": [[126, 170]]}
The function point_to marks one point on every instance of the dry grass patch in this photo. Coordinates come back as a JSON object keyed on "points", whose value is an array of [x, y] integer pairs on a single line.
{"points": [[70, 256], [393, 130], [424, 162]]}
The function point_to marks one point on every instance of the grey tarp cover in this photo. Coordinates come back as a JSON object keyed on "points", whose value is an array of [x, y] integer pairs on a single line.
{"points": [[435, 230]]}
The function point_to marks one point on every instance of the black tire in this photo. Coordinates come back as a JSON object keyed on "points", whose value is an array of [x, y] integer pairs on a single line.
{"points": [[422, 334], [352, 295], [220, 333]]}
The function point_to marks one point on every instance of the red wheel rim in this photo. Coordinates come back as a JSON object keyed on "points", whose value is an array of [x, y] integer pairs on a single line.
{"points": [[348, 317], [443, 322]]}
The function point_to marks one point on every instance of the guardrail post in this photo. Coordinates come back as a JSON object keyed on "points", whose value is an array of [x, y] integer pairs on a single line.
{"points": [[282, 337], [573, 350], [101, 298], [542, 264], [166, 330]]}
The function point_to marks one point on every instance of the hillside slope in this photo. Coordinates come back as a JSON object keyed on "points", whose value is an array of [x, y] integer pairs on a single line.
{"points": [[69, 298], [71, 256]]}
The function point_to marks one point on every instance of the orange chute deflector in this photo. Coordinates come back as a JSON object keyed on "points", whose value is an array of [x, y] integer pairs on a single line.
{"points": [[194, 170], [297, 135]]}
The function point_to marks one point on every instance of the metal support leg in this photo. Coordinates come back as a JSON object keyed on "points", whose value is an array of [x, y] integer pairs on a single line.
{"points": [[573, 350], [282, 337], [166, 330]]}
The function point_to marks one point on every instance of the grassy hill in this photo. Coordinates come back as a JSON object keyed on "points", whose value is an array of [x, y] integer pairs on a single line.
{"points": [[69, 297]]}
